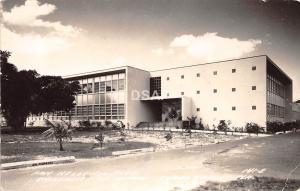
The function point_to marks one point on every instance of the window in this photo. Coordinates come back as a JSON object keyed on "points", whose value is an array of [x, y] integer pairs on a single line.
{"points": [[108, 86], [198, 109], [233, 108], [121, 84], [233, 70], [121, 109], [168, 78], [182, 76], [168, 94], [182, 93], [215, 90], [96, 87], [84, 88], [89, 87], [198, 75], [107, 109], [215, 109], [253, 87], [96, 110], [102, 86], [114, 109], [198, 91], [114, 85], [253, 107], [253, 68], [90, 110], [155, 86], [102, 98], [102, 109], [233, 89], [215, 72]]}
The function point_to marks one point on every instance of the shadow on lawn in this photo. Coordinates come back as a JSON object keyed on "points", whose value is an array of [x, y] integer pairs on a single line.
{"points": [[257, 183], [14, 152]]}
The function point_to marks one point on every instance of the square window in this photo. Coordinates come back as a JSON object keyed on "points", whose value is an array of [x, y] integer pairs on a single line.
{"points": [[198, 109], [198, 91], [215, 72], [215, 109], [198, 75], [182, 76], [168, 78], [233, 89], [182, 93], [233, 108], [233, 70], [253, 87], [215, 90], [253, 107], [253, 68]]}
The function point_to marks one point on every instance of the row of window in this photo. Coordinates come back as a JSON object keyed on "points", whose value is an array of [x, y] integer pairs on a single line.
{"points": [[100, 98], [110, 111], [214, 73], [233, 108], [275, 86], [216, 91], [275, 110], [108, 86]]}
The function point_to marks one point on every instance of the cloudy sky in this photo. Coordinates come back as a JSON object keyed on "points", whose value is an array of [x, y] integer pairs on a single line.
{"points": [[64, 37]]}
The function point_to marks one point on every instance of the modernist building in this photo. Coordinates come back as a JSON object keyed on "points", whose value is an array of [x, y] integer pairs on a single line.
{"points": [[252, 89]]}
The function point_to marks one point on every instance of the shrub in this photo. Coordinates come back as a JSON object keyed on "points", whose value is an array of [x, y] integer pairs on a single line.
{"points": [[275, 126], [222, 126], [85, 124], [201, 126], [253, 128]]}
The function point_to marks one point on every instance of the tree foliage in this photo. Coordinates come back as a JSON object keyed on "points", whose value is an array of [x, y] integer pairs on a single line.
{"points": [[26, 92]]}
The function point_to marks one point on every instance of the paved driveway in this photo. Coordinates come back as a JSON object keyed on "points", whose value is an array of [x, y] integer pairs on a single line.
{"points": [[276, 156]]}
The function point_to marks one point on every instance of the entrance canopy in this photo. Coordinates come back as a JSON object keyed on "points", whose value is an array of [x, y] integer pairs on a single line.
{"points": [[182, 105]]}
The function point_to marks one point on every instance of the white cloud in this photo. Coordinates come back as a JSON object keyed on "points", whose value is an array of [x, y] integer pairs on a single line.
{"points": [[59, 37], [29, 15], [161, 51], [211, 47]]}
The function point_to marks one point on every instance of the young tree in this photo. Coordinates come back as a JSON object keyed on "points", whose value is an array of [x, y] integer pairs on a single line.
{"points": [[58, 130]]}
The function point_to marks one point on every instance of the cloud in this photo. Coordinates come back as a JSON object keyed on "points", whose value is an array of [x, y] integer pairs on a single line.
{"points": [[59, 37], [161, 51], [29, 15], [211, 47]]}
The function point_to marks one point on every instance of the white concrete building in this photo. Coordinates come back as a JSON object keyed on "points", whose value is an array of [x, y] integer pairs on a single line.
{"points": [[252, 89]]}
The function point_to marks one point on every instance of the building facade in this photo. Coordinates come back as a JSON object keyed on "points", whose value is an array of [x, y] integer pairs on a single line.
{"points": [[252, 89]]}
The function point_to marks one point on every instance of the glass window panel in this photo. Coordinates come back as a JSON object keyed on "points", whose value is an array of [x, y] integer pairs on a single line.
{"points": [[89, 87], [102, 86], [79, 110], [96, 110], [102, 98], [108, 78], [122, 76], [79, 100], [102, 78], [91, 99], [102, 109], [108, 98], [84, 100], [114, 109], [121, 109], [84, 110], [108, 110], [115, 77], [96, 97], [90, 110], [96, 87], [114, 85], [108, 86], [114, 97], [121, 84], [84, 88]]}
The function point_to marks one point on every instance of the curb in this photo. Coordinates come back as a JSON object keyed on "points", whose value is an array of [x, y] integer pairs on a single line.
{"points": [[133, 151], [32, 163]]}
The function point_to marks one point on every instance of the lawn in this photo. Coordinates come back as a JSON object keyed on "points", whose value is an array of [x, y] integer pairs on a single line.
{"points": [[84, 146]]}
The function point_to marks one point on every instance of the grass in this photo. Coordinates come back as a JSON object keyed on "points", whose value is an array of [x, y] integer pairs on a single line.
{"points": [[22, 147]]}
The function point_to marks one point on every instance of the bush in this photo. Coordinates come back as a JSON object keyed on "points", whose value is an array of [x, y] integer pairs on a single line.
{"points": [[275, 126], [222, 126], [85, 124], [253, 128]]}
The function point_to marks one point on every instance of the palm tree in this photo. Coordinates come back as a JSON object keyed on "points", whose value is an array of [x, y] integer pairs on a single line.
{"points": [[58, 130]]}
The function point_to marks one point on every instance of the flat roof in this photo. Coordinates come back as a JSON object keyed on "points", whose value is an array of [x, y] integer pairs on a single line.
{"points": [[161, 98]]}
